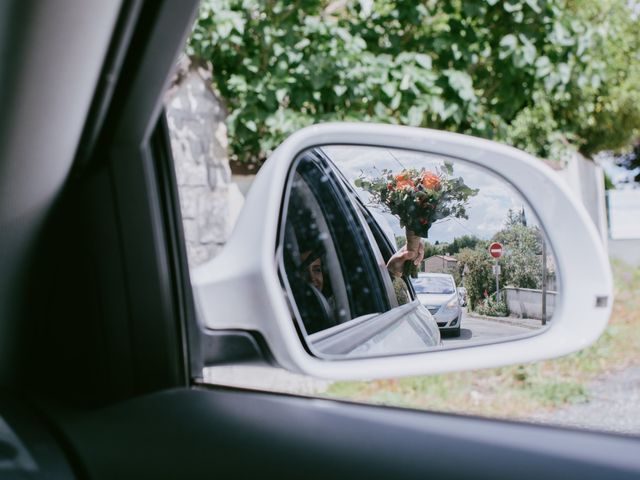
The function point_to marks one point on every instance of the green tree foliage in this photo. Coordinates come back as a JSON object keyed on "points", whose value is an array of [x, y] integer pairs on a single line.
{"points": [[465, 241], [535, 73], [630, 160], [598, 107], [608, 182], [431, 250], [522, 260], [515, 217], [458, 243], [478, 277], [284, 65]]}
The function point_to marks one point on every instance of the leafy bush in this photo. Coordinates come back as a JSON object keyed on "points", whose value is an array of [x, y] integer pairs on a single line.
{"points": [[530, 72], [478, 278], [522, 262], [492, 308]]}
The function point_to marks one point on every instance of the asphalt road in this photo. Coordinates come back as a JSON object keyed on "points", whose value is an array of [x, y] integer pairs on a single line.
{"points": [[474, 329]]}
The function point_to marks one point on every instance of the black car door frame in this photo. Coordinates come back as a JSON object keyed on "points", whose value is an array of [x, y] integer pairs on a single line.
{"points": [[109, 318]]}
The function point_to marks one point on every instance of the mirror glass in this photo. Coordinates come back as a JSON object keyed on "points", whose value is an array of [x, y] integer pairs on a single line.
{"points": [[385, 251]]}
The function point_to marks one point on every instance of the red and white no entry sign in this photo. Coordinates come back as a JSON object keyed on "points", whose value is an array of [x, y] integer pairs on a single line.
{"points": [[495, 249]]}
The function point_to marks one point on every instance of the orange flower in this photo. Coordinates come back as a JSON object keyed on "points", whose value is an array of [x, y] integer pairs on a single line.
{"points": [[430, 181], [403, 181]]}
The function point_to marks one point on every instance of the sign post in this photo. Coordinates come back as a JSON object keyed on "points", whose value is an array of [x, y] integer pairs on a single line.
{"points": [[495, 250]]}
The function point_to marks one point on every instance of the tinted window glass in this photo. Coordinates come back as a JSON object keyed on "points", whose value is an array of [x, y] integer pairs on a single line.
{"points": [[438, 285], [326, 257]]}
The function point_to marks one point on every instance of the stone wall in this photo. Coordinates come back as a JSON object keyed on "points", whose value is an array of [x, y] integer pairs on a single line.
{"points": [[210, 201]]}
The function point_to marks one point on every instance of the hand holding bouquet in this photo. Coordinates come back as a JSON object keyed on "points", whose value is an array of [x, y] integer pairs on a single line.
{"points": [[419, 198]]}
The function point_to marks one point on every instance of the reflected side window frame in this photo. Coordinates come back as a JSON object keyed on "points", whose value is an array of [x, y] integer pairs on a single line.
{"points": [[334, 198]]}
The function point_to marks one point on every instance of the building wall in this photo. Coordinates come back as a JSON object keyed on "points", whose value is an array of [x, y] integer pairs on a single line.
{"points": [[435, 264], [210, 201], [586, 180], [527, 303]]}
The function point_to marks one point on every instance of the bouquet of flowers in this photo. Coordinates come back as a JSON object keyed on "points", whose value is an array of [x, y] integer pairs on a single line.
{"points": [[419, 198]]}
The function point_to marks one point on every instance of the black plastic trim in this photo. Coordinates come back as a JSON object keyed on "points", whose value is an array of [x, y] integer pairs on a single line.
{"points": [[184, 310], [233, 347], [242, 434]]}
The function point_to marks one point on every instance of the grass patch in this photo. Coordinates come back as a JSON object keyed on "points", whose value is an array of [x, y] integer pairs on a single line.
{"points": [[520, 390]]}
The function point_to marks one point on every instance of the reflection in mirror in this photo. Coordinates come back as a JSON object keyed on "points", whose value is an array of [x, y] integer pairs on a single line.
{"points": [[385, 251]]}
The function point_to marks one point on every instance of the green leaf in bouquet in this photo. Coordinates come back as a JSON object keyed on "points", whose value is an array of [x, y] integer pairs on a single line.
{"points": [[448, 168]]}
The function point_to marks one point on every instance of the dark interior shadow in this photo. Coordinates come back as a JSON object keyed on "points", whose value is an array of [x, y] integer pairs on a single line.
{"points": [[465, 334]]}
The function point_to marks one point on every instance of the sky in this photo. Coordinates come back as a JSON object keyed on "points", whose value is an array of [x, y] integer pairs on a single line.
{"points": [[487, 210]]}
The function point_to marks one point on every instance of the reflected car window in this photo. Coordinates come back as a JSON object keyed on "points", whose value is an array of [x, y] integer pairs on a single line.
{"points": [[329, 274], [440, 285]]}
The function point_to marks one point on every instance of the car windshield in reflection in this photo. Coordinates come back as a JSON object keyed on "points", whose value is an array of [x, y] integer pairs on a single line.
{"points": [[439, 285]]}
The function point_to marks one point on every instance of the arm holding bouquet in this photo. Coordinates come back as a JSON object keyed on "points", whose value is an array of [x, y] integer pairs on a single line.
{"points": [[419, 198], [396, 263], [396, 267]]}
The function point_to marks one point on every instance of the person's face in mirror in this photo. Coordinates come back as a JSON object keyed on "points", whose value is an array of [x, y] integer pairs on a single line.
{"points": [[314, 271]]}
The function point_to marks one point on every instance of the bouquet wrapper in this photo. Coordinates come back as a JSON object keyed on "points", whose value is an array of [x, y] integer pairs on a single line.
{"points": [[413, 243]]}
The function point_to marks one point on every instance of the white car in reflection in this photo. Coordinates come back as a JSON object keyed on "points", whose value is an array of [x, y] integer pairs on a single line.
{"points": [[437, 292]]}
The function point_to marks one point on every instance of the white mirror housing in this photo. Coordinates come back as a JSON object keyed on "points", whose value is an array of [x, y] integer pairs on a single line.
{"points": [[241, 289]]}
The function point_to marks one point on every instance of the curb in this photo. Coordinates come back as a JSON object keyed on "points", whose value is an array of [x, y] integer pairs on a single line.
{"points": [[516, 322]]}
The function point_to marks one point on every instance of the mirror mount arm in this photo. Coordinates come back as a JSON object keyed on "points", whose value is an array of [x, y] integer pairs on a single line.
{"points": [[232, 347]]}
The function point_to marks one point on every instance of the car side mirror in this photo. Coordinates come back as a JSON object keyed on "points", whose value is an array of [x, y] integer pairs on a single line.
{"points": [[325, 263]]}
